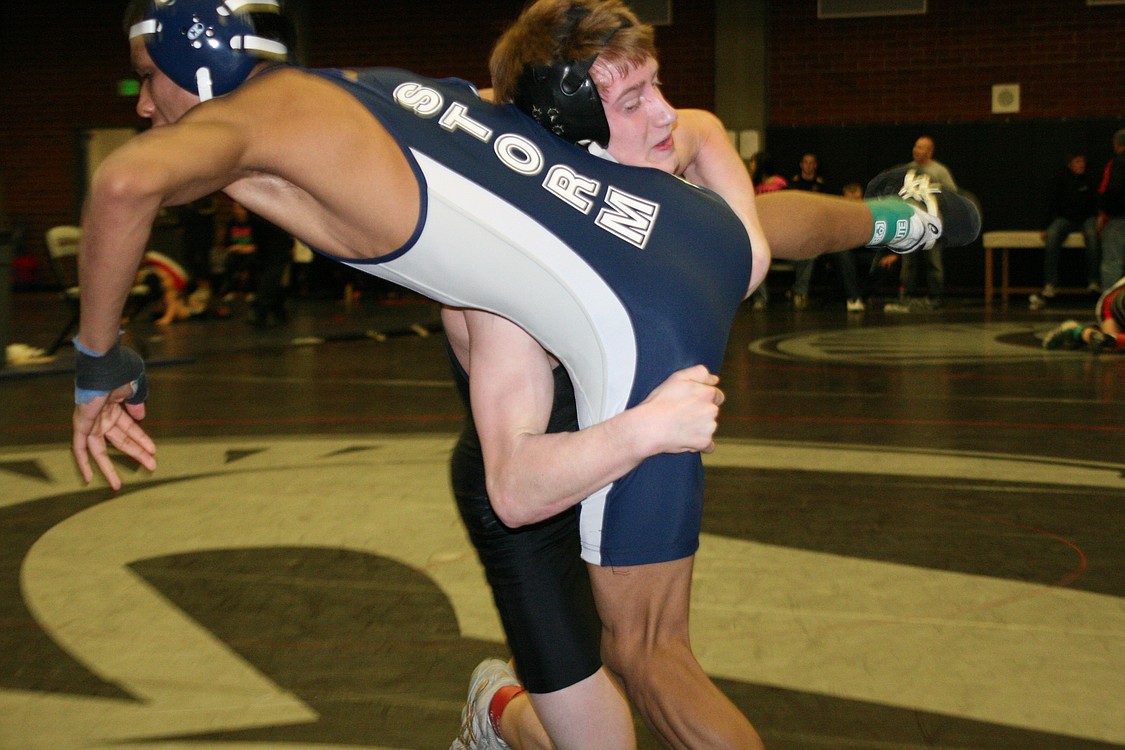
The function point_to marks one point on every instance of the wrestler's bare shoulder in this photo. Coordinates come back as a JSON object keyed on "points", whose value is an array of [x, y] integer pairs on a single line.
{"points": [[316, 157], [277, 103]]}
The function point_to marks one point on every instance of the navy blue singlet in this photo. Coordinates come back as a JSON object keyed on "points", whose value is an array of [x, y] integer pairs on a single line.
{"points": [[625, 274]]}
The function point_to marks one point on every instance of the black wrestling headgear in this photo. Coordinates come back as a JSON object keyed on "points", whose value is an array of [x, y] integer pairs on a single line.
{"points": [[562, 97]]}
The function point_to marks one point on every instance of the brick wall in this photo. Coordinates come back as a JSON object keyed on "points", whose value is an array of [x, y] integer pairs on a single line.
{"points": [[858, 92], [57, 76], [1069, 60], [58, 71], [456, 37]]}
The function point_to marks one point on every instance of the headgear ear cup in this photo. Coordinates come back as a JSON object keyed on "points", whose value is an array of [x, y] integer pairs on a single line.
{"points": [[207, 47], [562, 97]]}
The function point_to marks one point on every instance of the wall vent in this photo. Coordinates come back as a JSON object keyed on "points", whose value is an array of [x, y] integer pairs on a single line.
{"points": [[1005, 98]]}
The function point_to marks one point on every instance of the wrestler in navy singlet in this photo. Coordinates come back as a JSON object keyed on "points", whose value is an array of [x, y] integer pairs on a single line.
{"points": [[625, 274]]}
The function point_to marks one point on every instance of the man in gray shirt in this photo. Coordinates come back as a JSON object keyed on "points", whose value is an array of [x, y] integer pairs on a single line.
{"points": [[925, 163]]}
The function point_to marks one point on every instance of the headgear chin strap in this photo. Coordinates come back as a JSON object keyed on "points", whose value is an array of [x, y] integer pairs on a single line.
{"points": [[562, 97], [207, 47]]}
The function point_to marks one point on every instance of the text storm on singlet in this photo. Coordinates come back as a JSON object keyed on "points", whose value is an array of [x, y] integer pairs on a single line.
{"points": [[622, 214]]}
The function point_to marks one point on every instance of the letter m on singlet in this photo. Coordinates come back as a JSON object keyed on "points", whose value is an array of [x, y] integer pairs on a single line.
{"points": [[628, 217]]}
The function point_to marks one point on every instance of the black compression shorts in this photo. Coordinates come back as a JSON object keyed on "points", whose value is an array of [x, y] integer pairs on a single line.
{"points": [[539, 582]]}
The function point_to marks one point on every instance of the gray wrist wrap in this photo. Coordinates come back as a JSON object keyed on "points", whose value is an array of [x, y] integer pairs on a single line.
{"points": [[117, 367]]}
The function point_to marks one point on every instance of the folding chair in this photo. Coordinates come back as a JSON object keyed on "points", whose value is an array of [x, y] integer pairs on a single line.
{"points": [[62, 248]]}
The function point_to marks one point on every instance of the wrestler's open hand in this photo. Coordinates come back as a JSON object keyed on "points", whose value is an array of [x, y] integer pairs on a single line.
{"points": [[109, 418], [684, 411]]}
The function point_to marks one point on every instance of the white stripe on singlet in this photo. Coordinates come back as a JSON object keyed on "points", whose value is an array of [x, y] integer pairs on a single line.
{"points": [[479, 251]]}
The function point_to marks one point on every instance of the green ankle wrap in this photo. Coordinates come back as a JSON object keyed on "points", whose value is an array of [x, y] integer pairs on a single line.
{"points": [[892, 220]]}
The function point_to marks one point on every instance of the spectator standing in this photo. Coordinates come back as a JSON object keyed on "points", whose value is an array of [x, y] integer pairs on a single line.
{"points": [[924, 163], [1111, 219], [197, 220], [808, 179], [273, 257], [238, 261], [845, 261]]}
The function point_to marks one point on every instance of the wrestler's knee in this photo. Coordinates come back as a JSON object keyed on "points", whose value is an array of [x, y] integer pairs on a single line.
{"points": [[620, 652], [639, 656]]}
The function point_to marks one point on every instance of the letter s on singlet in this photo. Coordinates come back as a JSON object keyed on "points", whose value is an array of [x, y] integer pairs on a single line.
{"points": [[421, 100]]}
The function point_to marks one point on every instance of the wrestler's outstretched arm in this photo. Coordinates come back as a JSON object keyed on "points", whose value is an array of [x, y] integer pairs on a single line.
{"points": [[353, 195], [125, 195], [531, 474]]}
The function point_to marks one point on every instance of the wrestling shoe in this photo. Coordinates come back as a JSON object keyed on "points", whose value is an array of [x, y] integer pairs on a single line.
{"points": [[952, 216], [477, 731], [1062, 337], [902, 307]]}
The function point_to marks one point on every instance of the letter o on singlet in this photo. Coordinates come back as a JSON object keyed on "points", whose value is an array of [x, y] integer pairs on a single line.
{"points": [[519, 154]]}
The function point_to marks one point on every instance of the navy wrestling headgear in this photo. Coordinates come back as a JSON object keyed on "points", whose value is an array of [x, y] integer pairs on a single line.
{"points": [[207, 47], [562, 97]]}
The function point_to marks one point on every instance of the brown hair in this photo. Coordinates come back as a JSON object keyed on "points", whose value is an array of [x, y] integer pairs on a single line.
{"points": [[551, 30]]}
